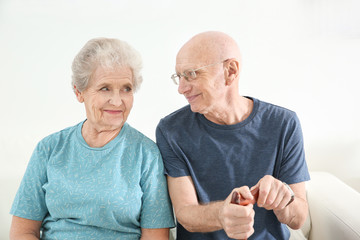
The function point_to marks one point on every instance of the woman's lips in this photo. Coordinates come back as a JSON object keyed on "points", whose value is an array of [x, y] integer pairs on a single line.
{"points": [[114, 112]]}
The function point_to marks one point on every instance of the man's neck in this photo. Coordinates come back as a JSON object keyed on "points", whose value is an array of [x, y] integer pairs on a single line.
{"points": [[233, 112]]}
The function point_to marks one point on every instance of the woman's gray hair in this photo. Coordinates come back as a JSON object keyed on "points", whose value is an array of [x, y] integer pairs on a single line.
{"points": [[108, 53]]}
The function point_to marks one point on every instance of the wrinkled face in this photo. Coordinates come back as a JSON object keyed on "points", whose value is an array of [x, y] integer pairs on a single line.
{"points": [[205, 93], [108, 98]]}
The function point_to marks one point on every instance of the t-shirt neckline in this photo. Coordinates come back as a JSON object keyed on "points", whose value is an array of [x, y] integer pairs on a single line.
{"points": [[233, 126], [106, 146]]}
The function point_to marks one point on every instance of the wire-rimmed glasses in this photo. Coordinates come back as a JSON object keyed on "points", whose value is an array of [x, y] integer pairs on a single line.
{"points": [[190, 74]]}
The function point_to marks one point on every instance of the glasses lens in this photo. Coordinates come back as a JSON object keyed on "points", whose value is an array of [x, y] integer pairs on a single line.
{"points": [[175, 78], [190, 74]]}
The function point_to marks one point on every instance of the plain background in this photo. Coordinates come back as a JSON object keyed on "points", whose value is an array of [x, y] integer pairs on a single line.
{"points": [[300, 54]]}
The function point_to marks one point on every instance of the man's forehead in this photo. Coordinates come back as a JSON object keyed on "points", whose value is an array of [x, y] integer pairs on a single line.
{"points": [[186, 64], [193, 55]]}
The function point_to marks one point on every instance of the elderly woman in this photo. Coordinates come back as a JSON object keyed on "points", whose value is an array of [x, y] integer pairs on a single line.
{"points": [[100, 179]]}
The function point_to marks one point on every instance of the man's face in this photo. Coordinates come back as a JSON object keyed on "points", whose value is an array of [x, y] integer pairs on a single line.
{"points": [[207, 91]]}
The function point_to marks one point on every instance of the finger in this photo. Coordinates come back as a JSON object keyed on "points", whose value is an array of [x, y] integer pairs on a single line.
{"points": [[255, 188], [245, 193], [277, 202], [242, 233], [235, 198], [242, 228], [286, 196], [272, 196], [248, 212], [255, 192], [264, 190], [241, 196], [232, 197], [242, 213], [237, 217]]}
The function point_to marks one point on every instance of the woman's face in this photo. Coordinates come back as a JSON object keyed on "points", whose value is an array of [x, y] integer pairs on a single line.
{"points": [[108, 98]]}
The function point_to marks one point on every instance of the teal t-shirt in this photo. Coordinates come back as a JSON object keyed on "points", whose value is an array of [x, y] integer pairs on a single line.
{"points": [[79, 192]]}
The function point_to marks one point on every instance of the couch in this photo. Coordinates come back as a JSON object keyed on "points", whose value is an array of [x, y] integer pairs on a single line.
{"points": [[334, 209]]}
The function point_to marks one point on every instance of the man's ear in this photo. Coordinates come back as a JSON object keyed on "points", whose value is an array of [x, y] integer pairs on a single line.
{"points": [[79, 95], [231, 71]]}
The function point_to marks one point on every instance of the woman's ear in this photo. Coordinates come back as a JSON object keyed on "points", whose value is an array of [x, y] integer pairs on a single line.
{"points": [[232, 71], [79, 95]]}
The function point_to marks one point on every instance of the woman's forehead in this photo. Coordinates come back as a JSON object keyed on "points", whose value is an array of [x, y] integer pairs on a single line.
{"points": [[103, 74]]}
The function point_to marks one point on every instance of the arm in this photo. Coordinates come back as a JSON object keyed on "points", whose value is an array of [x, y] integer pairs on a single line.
{"points": [[274, 195], [236, 220], [24, 229], [154, 233], [295, 214]]}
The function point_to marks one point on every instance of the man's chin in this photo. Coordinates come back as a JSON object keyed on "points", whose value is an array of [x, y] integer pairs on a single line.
{"points": [[195, 108]]}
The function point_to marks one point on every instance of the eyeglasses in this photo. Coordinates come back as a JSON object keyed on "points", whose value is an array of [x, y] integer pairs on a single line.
{"points": [[190, 74]]}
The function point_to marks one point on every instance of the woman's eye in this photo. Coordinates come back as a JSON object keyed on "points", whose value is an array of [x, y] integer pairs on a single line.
{"points": [[127, 89], [104, 89]]}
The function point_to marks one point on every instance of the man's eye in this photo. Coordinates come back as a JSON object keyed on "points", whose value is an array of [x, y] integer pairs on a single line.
{"points": [[190, 74], [104, 89]]}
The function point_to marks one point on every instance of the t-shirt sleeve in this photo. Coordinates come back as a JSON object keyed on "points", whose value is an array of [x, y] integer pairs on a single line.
{"points": [[156, 209], [294, 168], [29, 201], [174, 165]]}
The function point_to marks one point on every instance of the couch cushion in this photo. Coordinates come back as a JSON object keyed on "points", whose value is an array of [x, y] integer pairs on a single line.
{"points": [[334, 208]]}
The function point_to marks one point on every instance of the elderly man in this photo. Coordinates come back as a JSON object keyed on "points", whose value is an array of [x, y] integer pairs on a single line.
{"points": [[223, 143]]}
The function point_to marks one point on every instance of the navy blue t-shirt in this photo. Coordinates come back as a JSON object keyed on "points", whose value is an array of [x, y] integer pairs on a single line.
{"points": [[220, 158]]}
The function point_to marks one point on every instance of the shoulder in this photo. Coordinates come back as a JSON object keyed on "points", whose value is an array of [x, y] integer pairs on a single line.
{"points": [[138, 139], [177, 118], [52, 143], [143, 149], [278, 118], [176, 124], [59, 137], [273, 111]]}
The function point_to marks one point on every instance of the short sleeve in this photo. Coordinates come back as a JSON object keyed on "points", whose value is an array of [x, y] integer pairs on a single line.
{"points": [[174, 166], [29, 201], [156, 209], [294, 168]]}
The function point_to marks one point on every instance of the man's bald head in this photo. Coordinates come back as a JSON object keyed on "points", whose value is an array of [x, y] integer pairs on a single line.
{"points": [[208, 47]]}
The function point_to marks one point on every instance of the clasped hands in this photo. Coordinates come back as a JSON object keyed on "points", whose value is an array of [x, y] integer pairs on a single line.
{"points": [[237, 219]]}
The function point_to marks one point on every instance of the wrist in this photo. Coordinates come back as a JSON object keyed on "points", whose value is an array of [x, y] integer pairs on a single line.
{"points": [[219, 214], [291, 192]]}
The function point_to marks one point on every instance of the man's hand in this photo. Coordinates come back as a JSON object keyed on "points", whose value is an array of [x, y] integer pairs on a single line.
{"points": [[236, 220], [273, 194]]}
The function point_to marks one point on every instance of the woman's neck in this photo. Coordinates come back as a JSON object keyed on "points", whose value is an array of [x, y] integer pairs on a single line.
{"points": [[97, 137]]}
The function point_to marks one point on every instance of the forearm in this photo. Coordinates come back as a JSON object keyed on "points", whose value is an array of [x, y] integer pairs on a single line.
{"points": [[200, 218], [295, 214]]}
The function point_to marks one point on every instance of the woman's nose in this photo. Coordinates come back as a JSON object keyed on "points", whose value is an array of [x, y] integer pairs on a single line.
{"points": [[115, 99]]}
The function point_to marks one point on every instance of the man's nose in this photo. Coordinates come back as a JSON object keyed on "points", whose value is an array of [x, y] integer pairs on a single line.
{"points": [[184, 85]]}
